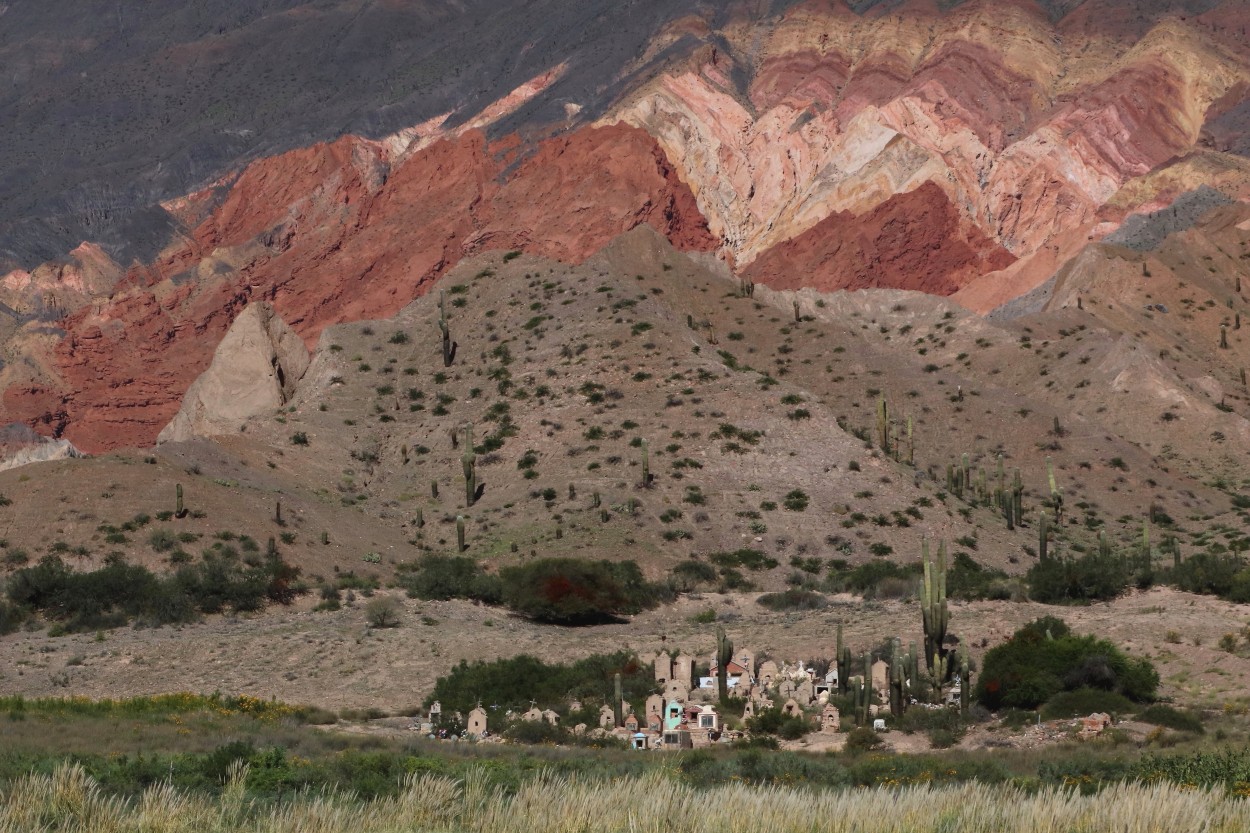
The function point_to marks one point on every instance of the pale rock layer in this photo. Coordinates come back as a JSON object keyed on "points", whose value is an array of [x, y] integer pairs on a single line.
{"points": [[254, 371]]}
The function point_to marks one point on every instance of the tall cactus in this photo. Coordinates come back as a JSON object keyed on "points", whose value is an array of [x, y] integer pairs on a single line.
{"points": [[724, 653], [617, 700], [939, 670], [897, 702], [911, 669], [965, 684], [883, 425], [844, 670], [460, 545], [180, 511], [468, 461], [1017, 497], [1056, 494], [935, 614], [449, 347], [646, 464]]}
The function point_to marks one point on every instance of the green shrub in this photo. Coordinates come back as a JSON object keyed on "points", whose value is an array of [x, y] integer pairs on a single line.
{"points": [[1090, 578], [1045, 658], [383, 612], [1085, 701], [863, 739], [925, 770], [536, 732], [792, 599], [572, 591], [1212, 574], [928, 720], [1168, 717], [162, 539], [118, 592], [868, 579], [1227, 767], [444, 577], [796, 500], [749, 558], [966, 579], [692, 575], [511, 683], [105, 598], [774, 722]]}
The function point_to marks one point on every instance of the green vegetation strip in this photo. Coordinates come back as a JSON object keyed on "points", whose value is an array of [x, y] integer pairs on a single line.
{"points": [[70, 800]]}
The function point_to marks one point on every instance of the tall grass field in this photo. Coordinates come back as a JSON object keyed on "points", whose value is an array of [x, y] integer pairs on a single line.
{"points": [[68, 800]]}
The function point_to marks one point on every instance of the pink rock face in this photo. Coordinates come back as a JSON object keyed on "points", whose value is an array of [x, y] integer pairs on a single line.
{"points": [[326, 236], [58, 287], [913, 241], [1029, 128]]}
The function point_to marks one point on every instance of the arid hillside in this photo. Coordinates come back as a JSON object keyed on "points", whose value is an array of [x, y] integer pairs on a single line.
{"points": [[755, 296]]}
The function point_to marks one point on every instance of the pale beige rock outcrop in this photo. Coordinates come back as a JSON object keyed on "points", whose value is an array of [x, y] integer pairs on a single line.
{"points": [[254, 371]]}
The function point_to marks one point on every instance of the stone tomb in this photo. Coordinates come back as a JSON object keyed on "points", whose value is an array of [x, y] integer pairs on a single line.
{"points": [[683, 669], [663, 668], [476, 725]]}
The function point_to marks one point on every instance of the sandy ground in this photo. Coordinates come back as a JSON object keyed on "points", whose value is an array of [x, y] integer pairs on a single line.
{"points": [[335, 661]]}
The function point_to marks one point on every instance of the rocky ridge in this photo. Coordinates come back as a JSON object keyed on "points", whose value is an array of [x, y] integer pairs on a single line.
{"points": [[973, 151]]}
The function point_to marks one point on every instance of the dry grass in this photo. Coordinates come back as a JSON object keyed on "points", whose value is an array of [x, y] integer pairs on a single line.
{"points": [[69, 801]]}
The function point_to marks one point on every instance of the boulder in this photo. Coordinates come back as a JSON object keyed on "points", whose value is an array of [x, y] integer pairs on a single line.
{"points": [[254, 371]]}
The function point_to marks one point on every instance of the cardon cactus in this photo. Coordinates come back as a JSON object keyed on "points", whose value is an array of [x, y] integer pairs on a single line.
{"points": [[965, 685], [617, 700], [449, 347], [1056, 494], [934, 612], [883, 425], [468, 461], [724, 653], [646, 465], [1017, 498]]}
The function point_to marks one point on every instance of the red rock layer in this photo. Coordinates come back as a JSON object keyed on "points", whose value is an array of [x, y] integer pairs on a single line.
{"points": [[329, 234], [912, 241]]}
